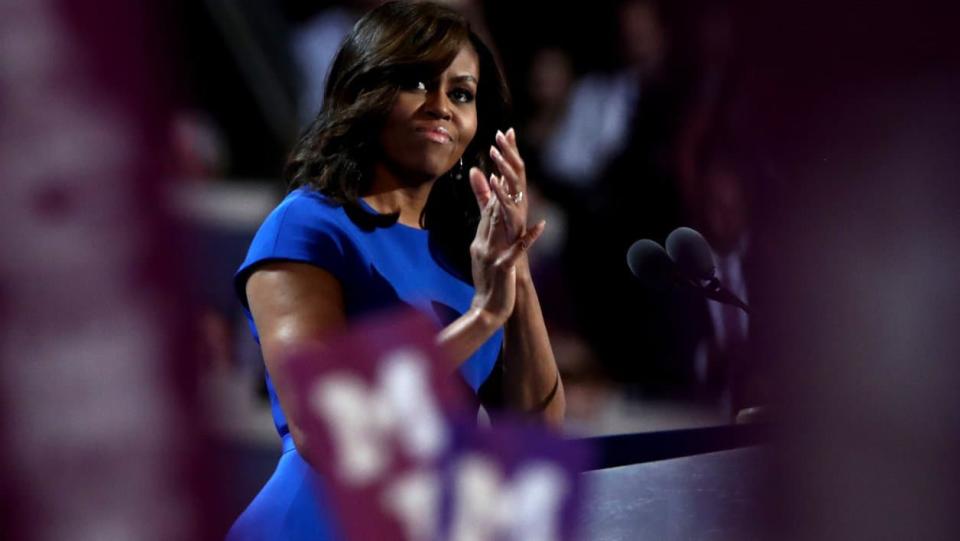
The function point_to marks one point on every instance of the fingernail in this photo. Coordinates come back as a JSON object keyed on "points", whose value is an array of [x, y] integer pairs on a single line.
{"points": [[495, 153], [500, 135], [511, 133]]}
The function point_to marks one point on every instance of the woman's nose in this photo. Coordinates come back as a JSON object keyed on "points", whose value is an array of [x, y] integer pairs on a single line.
{"points": [[437, 104]]}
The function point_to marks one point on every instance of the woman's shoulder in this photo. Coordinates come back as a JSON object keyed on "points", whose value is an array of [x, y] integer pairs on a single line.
{"points": [[308, 209], [306, 226], [309, 201]]}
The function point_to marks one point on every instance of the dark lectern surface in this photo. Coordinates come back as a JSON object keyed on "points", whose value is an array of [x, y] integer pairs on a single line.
{"points": [[713, 496]]}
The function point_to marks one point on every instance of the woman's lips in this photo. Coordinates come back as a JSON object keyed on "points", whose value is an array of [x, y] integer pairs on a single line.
{"points": [[437, 135]]}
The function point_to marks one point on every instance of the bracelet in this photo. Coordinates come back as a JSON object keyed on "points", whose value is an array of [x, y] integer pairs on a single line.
{"points": [[546, 401]]}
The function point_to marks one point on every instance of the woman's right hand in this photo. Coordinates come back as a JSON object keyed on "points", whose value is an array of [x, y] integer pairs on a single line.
{"points": [[495, 251]]}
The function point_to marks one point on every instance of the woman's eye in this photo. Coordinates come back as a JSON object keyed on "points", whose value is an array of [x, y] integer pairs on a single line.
{"points": [[462, 96]]}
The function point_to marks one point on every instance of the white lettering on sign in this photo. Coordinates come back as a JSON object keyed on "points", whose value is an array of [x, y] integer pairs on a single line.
{"points": [[362, 420], [524, 508], [414, 499]]}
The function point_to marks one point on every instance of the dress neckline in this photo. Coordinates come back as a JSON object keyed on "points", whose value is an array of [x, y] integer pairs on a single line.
{"points": [[367, 207]]}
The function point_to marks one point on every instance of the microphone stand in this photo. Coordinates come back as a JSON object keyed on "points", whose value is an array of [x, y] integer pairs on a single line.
{"points": [[714, 290]]}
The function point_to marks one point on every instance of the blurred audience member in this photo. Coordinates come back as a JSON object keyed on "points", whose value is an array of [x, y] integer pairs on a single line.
{"points": [[624, 169], [722, 361], [216, 340], [314, 46], [199, 147], [706, 118], [597, 123], [542, 105], [548, 89]]}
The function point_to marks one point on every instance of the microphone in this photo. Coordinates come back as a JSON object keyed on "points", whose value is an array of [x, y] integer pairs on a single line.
{"points": [[688, 261], [692, 254], [649, 262], [694, 259]]}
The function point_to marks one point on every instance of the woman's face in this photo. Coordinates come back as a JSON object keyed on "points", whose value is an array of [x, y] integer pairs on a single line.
{"points": [[432, 122]]}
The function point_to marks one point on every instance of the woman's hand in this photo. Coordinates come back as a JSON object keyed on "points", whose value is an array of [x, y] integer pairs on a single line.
{"points": [[511, 186], [502, 237]]}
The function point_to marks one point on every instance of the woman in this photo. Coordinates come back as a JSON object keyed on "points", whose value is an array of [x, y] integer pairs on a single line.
{"points": [[382, 213]]}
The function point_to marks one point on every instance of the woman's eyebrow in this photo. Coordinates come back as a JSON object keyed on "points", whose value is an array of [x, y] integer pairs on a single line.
{"points": [[464, 79]]}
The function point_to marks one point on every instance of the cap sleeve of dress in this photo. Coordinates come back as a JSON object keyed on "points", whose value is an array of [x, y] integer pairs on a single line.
{"points": [[303, 228]]}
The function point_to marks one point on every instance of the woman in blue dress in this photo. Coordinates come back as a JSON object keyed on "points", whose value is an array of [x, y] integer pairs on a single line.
{"points": [[389, 204]]}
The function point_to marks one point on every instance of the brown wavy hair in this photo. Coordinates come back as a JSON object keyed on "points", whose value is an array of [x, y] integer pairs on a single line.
{"points": [[390, 46]]}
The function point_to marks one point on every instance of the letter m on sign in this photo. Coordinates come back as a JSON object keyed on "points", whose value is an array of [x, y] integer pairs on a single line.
{"points": [[374, 406]]}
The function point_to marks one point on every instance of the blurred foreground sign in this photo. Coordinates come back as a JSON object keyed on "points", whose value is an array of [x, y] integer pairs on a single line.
{"points": [[395, 440], [99, 432]]}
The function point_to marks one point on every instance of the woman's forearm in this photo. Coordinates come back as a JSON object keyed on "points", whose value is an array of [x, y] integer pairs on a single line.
{"points": [[460, 339], [531, 379]]}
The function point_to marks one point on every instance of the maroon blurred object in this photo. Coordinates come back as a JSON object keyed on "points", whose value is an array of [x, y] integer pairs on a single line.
{"points": [[99, 420], [394, 437], [857, 235]]}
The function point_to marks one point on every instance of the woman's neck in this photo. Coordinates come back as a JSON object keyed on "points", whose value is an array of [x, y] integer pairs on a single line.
{"points": [[390, 193]]}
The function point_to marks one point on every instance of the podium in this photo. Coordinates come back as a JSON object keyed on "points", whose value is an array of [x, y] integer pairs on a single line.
{"points": [[712, 496], [699, 483]]}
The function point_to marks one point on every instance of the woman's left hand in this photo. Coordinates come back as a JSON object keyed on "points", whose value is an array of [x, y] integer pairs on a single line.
{"points": [[510, 187]]}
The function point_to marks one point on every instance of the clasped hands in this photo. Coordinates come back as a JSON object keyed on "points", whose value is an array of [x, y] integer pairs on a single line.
{"points": [[502, 237]]}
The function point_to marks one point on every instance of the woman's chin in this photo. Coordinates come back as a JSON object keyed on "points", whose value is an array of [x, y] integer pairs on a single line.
{"points": [[419, 176], [421, 168], [430, 170]]}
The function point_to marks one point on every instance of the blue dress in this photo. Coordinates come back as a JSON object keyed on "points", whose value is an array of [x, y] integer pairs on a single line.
{"points": [[377, 269]]}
